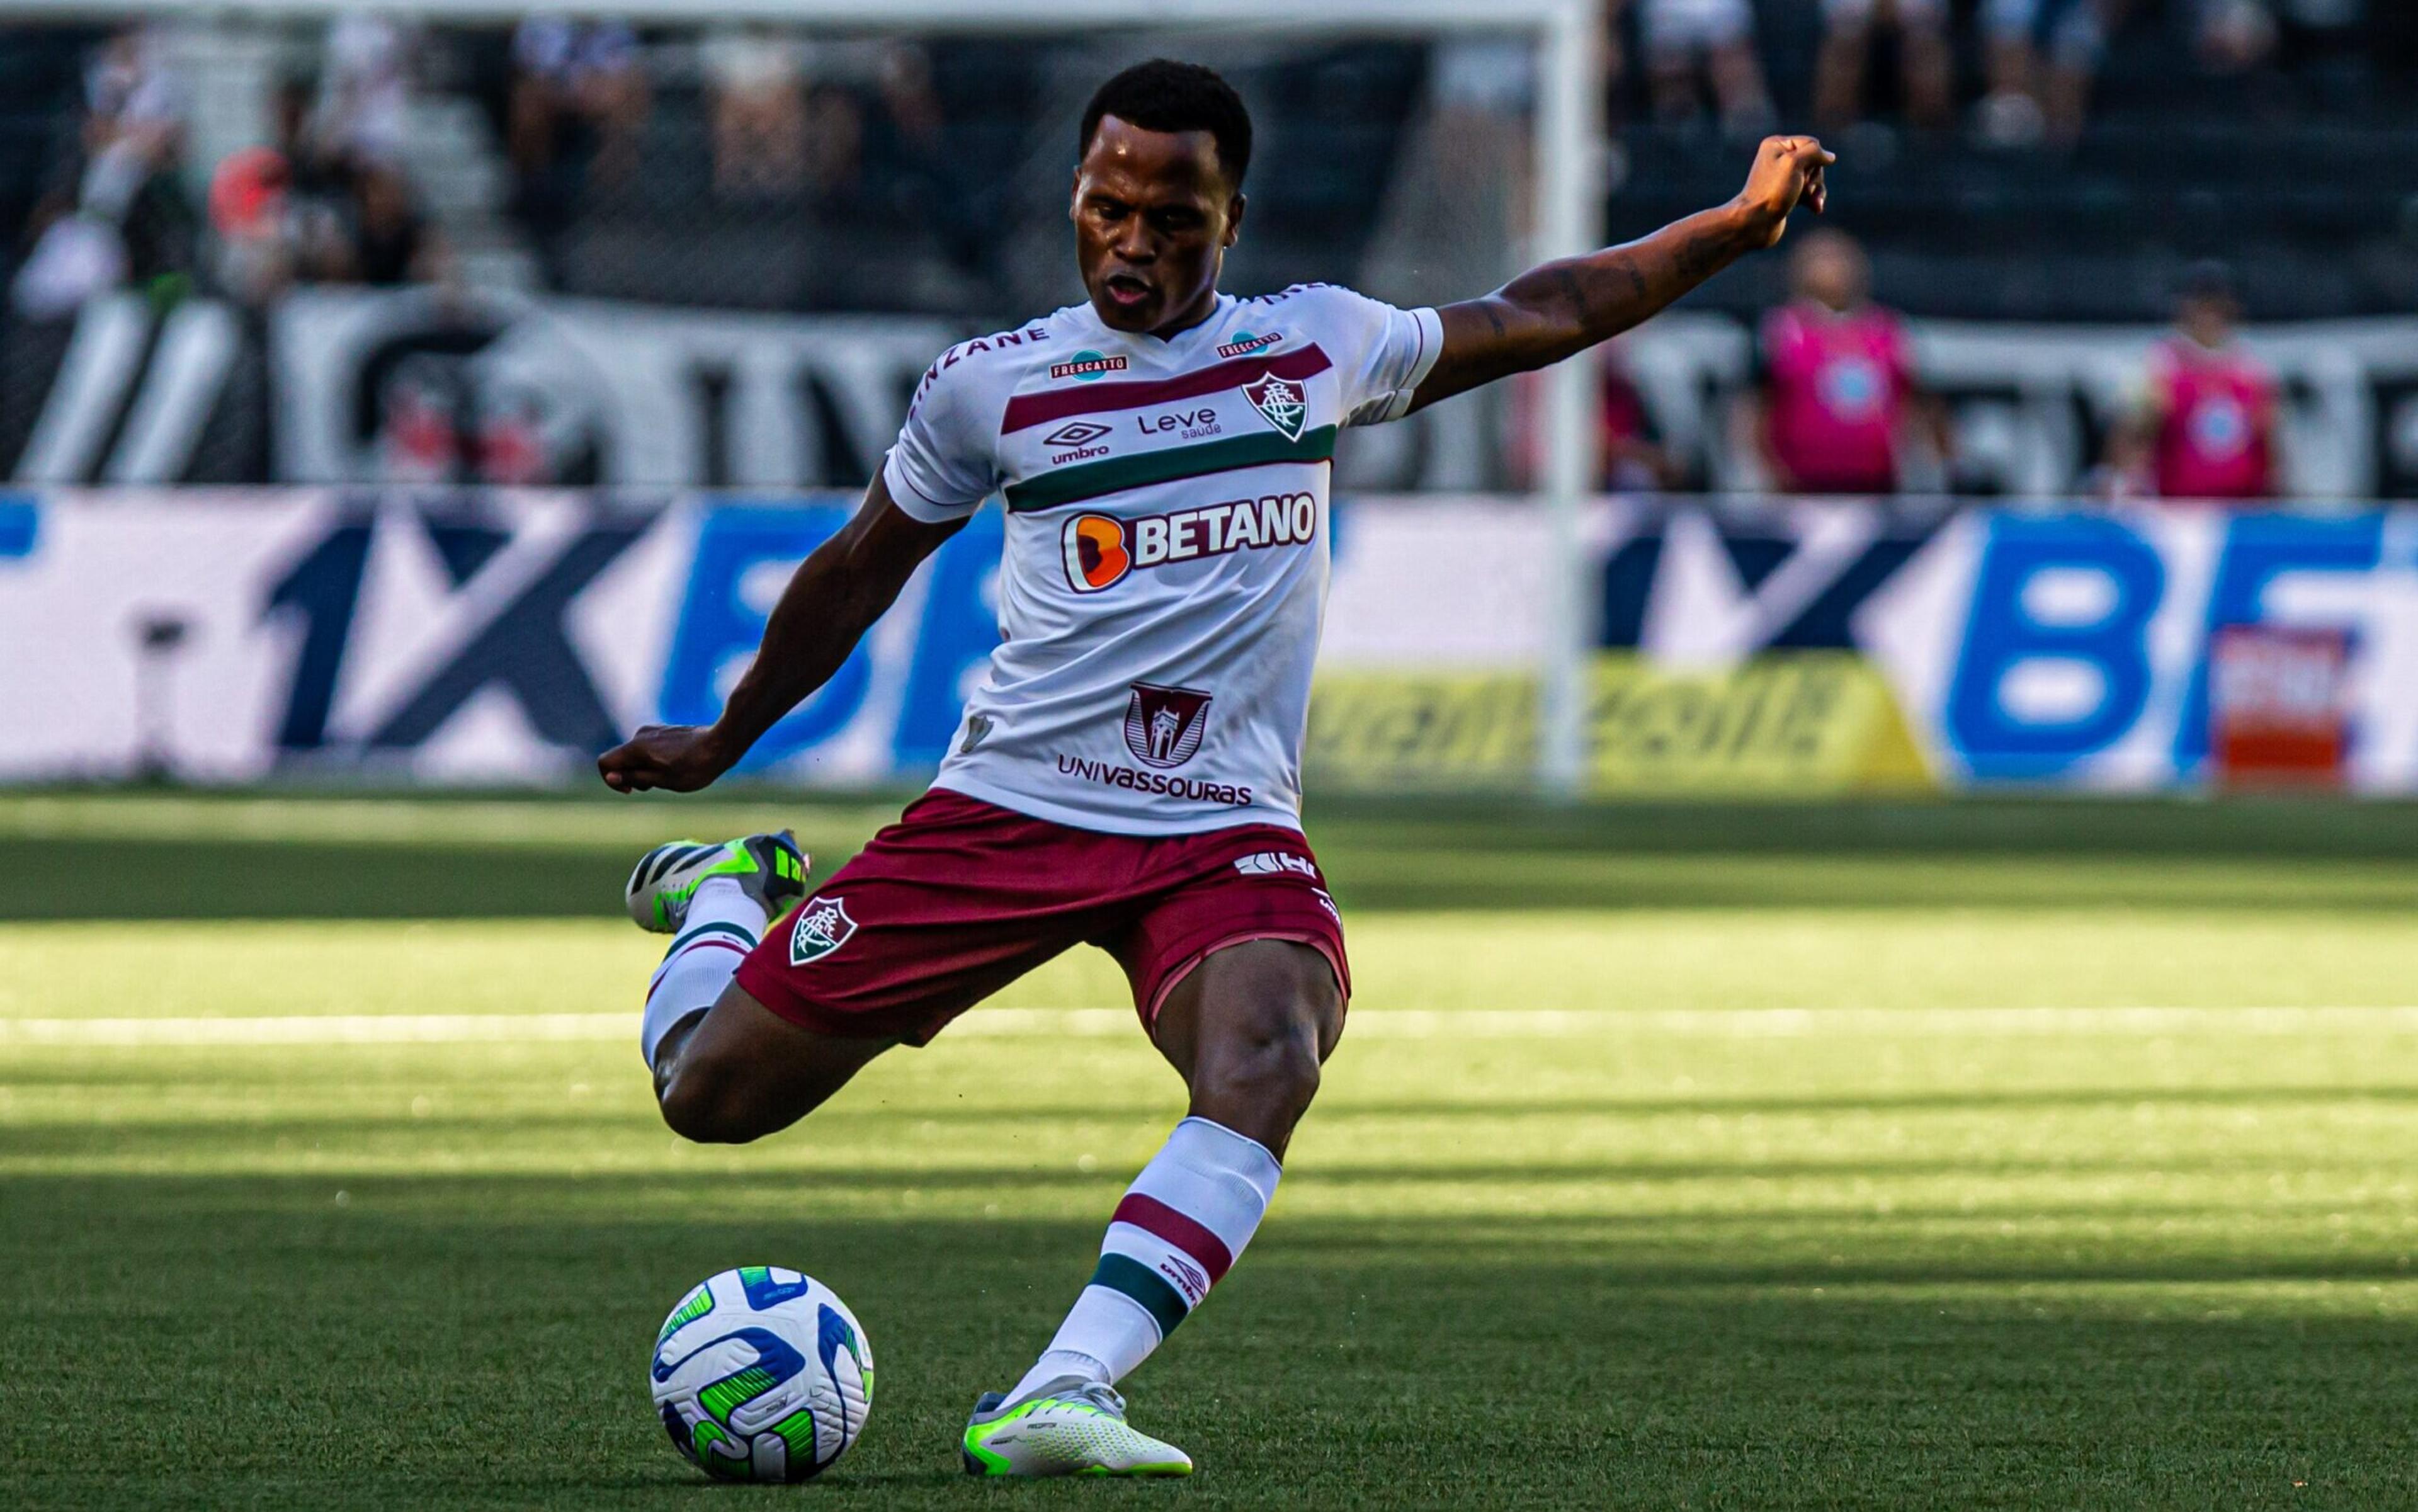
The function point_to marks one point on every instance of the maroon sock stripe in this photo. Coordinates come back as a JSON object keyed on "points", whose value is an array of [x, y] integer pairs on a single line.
{"points": [[1154, 1217], [1025, 412]]}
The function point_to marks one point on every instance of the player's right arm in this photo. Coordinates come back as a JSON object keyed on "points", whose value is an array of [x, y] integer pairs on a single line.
{"points": [[832, 599]]}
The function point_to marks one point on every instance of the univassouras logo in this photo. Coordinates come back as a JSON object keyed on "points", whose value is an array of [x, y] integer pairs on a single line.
{"points": [[1163, 725], [1100, 549], [1158, 784], [1087, 366]]}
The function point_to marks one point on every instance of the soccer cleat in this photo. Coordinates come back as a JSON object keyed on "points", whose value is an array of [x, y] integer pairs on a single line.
{"points": [[770, 868], [1070, 1427]]}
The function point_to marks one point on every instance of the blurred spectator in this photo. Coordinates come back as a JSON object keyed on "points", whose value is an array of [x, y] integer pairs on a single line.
{"points": [[390, 240], [127, 218], [756, 88], [2234, 36], [1635, 461], [1851, 27], [577, 100], [134, 119], [1684, 39], [2205, 424], [2042, 56], [364, 88], [1837, 388], [1634, 458]]}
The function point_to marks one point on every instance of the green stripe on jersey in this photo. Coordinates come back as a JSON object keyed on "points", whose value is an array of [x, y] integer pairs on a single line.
{"points": [[1090, 479], [1158, 1296]]}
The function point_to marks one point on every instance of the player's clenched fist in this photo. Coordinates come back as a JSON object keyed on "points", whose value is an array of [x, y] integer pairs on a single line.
{"points": [[1787, 173], [679, 759]]}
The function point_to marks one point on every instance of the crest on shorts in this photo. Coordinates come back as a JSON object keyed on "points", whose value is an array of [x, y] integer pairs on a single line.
{"points": [[1163, 724], [1282, 404], [823, 926]]}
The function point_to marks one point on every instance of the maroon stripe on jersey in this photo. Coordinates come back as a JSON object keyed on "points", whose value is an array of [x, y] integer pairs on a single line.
{"points": [[1153, 1217], [1027, 410]]}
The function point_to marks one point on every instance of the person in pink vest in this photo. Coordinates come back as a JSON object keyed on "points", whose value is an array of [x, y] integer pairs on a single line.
{"points": [[1838, 389], [2206, 424]]}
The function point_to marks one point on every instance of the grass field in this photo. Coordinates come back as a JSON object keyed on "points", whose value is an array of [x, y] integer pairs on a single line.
{"points": [[2016, 1155]]}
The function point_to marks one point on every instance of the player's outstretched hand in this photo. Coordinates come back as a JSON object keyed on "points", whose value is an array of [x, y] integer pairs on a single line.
{"points": [[1787, 173], [679, 759]]}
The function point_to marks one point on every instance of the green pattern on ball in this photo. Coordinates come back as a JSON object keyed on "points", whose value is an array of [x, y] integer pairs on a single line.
{"points": [[694, 1306], [700, 1445], [796, 1431], [725, 1396]]}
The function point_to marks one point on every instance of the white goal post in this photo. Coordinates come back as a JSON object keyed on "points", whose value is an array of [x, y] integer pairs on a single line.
{"points": [[1569, 158]]}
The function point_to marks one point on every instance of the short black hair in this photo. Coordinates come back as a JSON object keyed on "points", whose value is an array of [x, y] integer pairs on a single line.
{"points": [[1163, 95]]}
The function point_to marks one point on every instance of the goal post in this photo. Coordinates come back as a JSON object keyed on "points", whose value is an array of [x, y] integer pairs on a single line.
{"points": [[1568, 147]]}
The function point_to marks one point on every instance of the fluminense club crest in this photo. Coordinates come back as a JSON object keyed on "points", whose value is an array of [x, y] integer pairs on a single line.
{"points": [[823, 926], [1282, 402], [1163, 724]]}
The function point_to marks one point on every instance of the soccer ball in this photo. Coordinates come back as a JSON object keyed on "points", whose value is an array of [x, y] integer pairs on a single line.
{"points": [[762, 1374]]}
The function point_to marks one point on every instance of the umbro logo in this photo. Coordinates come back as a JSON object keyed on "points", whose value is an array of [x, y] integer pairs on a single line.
{"points": [[1082, 433]]}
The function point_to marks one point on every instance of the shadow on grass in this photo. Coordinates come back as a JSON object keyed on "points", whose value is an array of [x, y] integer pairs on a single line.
{"points": [[1982, 853], [461, 1352]]}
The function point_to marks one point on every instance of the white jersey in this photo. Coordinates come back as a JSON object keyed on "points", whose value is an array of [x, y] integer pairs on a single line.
{"points": [[1165, 573]]}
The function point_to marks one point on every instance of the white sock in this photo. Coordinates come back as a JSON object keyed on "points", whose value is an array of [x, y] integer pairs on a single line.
{"points": [[1182, 1224], [723, 924]]}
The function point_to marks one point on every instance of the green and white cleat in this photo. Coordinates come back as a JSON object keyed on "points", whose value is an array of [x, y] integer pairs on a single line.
{"points": [[1070, 1427], [770, 868]]}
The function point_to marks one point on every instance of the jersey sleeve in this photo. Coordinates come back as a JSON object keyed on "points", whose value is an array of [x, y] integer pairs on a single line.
{"points": [[945, 462], [1382, 353]]}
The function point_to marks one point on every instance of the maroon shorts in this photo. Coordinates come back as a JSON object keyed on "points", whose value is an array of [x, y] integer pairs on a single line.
{"points": [[960, 897]]}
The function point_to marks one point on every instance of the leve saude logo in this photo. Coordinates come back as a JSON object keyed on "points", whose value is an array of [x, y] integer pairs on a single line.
{"points": [[1282, 404]]}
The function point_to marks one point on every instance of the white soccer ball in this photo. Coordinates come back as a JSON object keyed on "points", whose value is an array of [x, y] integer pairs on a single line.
{"points": [[762, 1374]]}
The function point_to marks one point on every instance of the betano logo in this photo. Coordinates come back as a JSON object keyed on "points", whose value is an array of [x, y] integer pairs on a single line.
{"points": [[1100, 549]]}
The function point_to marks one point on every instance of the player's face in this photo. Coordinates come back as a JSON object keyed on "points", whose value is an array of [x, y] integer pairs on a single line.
{"points": [[1154, 216]]}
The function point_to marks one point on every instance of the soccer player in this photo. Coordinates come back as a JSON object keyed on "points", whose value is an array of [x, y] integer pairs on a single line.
{"points": [[1127, 773]]}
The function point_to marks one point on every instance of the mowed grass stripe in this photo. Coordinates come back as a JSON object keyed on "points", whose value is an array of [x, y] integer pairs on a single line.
{"points": [[1404, 1024]]}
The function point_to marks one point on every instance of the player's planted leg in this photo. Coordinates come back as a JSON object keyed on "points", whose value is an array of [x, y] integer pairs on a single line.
{"points": [[1249, 1028], [726, 1068]]}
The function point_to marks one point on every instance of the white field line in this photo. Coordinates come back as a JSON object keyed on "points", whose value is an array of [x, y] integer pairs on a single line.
{"points": [[1372, 1023]]}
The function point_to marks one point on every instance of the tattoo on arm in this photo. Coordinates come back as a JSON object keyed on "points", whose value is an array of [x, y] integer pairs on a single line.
{"points": [[1565, 307]]}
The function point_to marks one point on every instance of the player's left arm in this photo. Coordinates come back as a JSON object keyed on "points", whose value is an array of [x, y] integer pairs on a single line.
{"points": [[1563, 308]]}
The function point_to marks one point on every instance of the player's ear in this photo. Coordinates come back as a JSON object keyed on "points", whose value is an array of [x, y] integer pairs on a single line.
{"points": [[1234, 219], [1075, 194]]}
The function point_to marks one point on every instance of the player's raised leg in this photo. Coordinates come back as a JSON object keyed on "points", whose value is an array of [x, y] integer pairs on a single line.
{"points": [[1249, 1028], [726, 1068]]}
